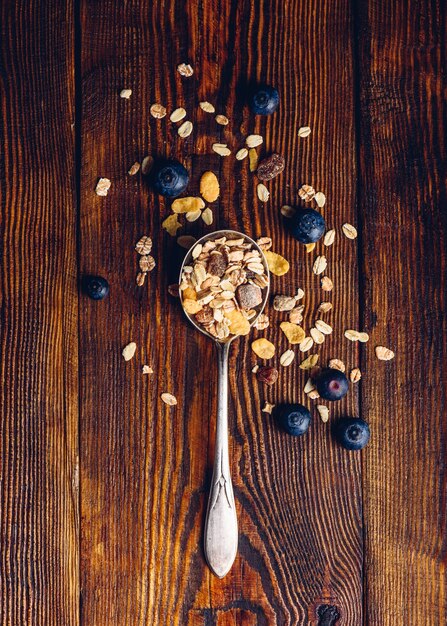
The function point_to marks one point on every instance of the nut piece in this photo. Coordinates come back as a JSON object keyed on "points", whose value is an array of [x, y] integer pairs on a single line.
{"points": [[253, 141], [309, 363], [284, 303], [313, 395], [125, 93], [221, 149], [323, 411], [217, 264], [320, 265], [304, 131], [222, 120], [209, 186], [169, 399], [276, 263], [185, 129], [253, 159], [324, 307], [306, 193], [129, 351], [102, 187], [355, 375], [241, 154], [207, 107], [296, 314], [270, 167], [384, 354], [309, 386], [133, 169], [329, 237], [177, 114], [262, 322], [207, 216], [263, 192], [265, 243], [158, 111], [287, 357], [263, 348], [184, 69], [327, 284], [186, 204], [268, 408], [267, 375], [147, 164], [336, 364], [320, 199], [146, 263], [349, 231], [144, 245], [249, 296], [294, 333]]}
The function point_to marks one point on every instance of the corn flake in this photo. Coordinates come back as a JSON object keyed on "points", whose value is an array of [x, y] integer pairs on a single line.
{"points": [[209, 186], [171, 224], [239, 325], [187, 204], [263, 348], [294, 333], [277, 264]]}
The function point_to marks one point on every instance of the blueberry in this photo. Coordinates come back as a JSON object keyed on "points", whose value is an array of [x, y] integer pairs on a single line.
{"points": [[95, 287], [332, 384], [307, 225], [352, 433], [293, 418], [264, 100], [169, 178]]}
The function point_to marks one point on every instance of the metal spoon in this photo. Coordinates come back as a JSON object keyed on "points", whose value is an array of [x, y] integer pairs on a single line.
{"points": [[221, 534]]}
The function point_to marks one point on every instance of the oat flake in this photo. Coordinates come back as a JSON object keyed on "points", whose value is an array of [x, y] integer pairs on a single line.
{"points": [[287, 357], [185, 129], [304, 131], [263, 192], [384, 354], [177, 114], [102, 187], [125, 93], [169, 399], [355, 375], [129, 351], [158, 111], [320, 265], [320, 199], [221, 149], [323, 411], [349, 231], [329, 237], [241, 154], [253, 141]]}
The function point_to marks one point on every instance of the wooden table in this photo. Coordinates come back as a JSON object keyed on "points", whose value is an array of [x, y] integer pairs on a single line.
{"points": [[103, 487]]}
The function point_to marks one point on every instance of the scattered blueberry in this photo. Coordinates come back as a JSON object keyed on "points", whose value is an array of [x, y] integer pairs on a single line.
{"points": [[332, 384], [352, 433], [264, 100], [95, 287], [293, 418], [169, 178], [307, 225]]}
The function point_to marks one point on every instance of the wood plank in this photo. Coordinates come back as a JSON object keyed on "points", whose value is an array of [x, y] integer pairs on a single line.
{"points": [[39, 514], [403, 196], [145, 468]]}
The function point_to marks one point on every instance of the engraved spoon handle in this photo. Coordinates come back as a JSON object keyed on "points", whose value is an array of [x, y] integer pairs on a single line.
{"points": [[221, 535]]}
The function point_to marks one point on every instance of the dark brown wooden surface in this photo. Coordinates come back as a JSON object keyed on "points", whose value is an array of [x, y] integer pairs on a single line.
{"points": [[361, 534]]}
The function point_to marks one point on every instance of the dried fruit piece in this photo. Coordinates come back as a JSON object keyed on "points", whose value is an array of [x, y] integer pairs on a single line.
{"points": [[185, 69], [287, 211], [207, 107], [146, 263], [253, 159], [146, 369], [209, 186], [249, 296], [327, 284], [309, 363], [349, 231], [177, 114], [144, 245], [317, 335], [384, 354], [133, 169], [158, 111], [270, 167], [169, 399], [207, 216], [263, 348], [263, 192], [287, 357], [129, 350], [186, 204], [241, 154], [171, 224], [222, 120], [323, 327], [336, 364], [262, 322], [125, 93], [306, 193], [323, 411], [320, 199], [185, 129], [186, 241], [221, 149], [324, 307], [294, 333], [306, 344], [320, 265], [253, 141], [310, 246], [239, 325], [267, 375], [147, 164], [304, 131], [355, 375], [102, 187], [141, 277], [191, 306], [268, 408], [276, 263], [329, 237]]}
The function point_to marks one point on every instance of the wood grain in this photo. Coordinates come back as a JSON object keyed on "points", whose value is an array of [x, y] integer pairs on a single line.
{"points": [[145, 468], [403, 197], [39, 513]]}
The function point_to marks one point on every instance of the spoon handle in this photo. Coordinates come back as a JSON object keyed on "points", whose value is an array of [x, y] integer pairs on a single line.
{"points": [[221, 534]]}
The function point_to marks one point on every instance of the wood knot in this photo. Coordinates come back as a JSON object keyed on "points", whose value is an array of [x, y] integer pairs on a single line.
{"points": [[328, 615]]}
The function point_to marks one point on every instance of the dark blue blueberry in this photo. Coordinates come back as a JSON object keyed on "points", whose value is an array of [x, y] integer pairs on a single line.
{"points": [[352, 433], [169, 178], [293, 418], [332, 384], [264, 100], [307, 225], [95, 287]]}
